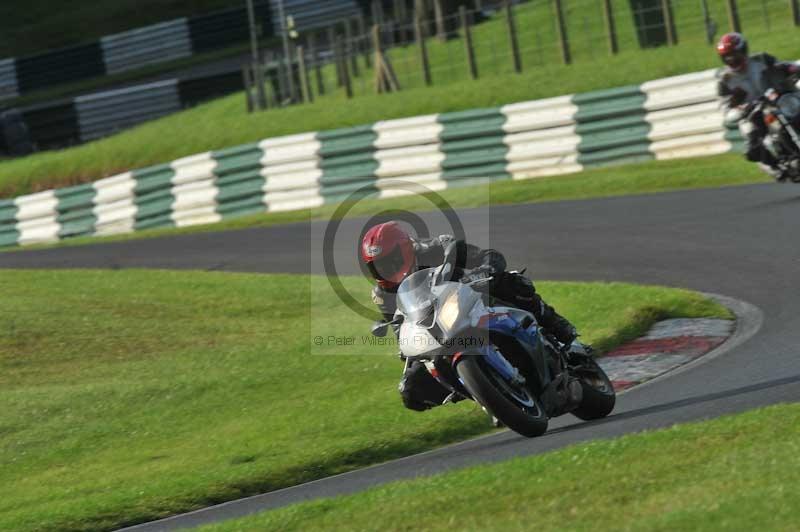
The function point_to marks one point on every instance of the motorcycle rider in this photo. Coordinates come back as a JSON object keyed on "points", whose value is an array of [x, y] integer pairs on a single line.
{"points": [[742, 82], [390, 254]]}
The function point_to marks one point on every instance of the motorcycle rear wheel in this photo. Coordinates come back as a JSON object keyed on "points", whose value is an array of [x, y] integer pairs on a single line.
{"points": [[599, 396], [529, 421]]}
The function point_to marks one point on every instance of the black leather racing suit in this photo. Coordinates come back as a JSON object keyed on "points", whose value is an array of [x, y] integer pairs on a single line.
{"points": [[419, 390], [739, 88]]}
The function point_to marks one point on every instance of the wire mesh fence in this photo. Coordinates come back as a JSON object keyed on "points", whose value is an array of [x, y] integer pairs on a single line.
{"points": [[423, 44]]}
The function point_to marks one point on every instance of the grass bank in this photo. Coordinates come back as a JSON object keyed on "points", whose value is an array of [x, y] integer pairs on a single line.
{"points": [[642, 178], [131, 395], [224, 122], [732, 473]]}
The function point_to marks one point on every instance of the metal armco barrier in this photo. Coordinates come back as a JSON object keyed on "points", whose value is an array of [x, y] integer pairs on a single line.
{"points": [[8, 79], [663, 119], [152, 44], [312, 14], [89, 117], [161, 42], [105, 113]]}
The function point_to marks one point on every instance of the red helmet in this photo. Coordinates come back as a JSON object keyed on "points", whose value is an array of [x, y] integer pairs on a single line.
{"points": [[732, 48], [388, 252]]}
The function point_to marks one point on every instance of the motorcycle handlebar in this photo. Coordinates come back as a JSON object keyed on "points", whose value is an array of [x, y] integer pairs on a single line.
{"points": [[481, 281]]}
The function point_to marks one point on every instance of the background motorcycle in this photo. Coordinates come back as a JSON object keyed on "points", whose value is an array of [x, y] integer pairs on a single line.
{"points": [[779, 110], [497, 355]]}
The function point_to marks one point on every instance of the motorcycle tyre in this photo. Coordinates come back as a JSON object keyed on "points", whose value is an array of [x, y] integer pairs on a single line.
{"points": [[488, 396], [595, 404]]}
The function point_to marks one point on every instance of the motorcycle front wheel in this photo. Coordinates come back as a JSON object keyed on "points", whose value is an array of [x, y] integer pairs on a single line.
{"points": [[514, 406], [599, 396]]}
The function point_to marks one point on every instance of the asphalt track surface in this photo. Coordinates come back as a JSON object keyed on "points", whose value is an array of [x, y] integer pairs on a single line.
{"points": [[740, 241]]}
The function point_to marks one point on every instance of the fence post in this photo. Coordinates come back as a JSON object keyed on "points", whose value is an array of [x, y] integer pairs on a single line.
{"points": [[311, 43], [423, 50], [258, 75], [305, 89], [441, 31], [733, 16], [350, 48], [271, 81], [795, 12], [611, 28], [278, 89], [341, 60], [388, 32], [362, 31], [666, 11], [378, 18], [707, 22], [401, 17], [247, 78], [512, 35], [563, 38], [380, 80], [385, 78], [332, 43], [337, 63], [377, 12], [471, 63], [297, 92], [421, 14], [478, 5]]}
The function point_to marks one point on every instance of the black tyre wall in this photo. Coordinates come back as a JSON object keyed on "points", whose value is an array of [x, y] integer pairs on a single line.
{"points": [[53, 125], [194, 91]]}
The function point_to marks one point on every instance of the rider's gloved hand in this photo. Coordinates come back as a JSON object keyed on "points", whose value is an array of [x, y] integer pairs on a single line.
{"points": [[738, 97], [565, 332]]}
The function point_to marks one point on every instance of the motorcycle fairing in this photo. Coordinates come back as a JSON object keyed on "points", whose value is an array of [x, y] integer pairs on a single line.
{"points": [[505, 321]]}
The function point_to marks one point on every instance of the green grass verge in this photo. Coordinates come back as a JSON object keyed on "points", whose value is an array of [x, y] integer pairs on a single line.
{"points": [[130, 395], [224, 122], [733, 473], [641, 178]]}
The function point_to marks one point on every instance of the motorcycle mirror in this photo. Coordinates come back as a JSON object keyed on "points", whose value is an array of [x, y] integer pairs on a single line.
{"points": [[379, 329]]}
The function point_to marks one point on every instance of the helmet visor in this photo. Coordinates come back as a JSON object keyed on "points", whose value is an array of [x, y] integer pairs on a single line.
{"points": [[734, 60], [390, 267]]}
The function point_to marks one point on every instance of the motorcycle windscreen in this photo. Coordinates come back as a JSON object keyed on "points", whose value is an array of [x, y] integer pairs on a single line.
{"points": [[414, 298]]}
